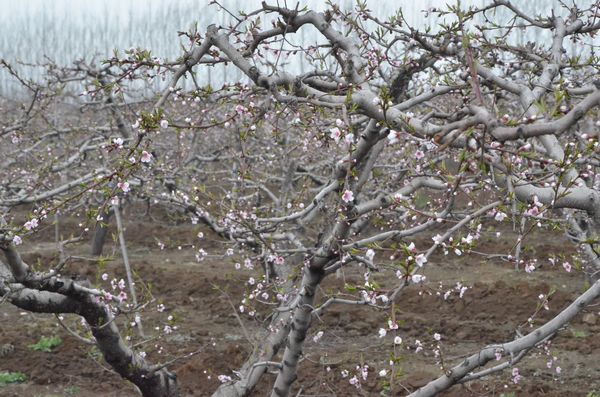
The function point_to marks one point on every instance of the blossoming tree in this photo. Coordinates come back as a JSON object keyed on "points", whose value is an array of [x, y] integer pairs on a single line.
{"points": [[393, 133]]}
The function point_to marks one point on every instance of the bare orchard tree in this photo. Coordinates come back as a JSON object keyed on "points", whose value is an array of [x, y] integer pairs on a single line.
{"points": [[394, 133]]}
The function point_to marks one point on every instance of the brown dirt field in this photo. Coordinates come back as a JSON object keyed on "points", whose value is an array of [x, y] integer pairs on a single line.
{"points": [[499, 302]]}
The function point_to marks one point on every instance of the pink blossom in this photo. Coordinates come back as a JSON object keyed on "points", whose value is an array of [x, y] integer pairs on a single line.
{"points": [[240, 109], [123, 186], [533, 211], [248, 264], [146, 157], [364, 371], [317, 336], [224, 378], [17, 240], [335, 134], [420, 260], [348, 196], [393, 137], [419, 346], [516, 377], [349, 138], [200, 255], [417, 278], [419, 154], [498, 354], [31, 224], [529, 268], [370, 254], [500, 216], [567, 267]]}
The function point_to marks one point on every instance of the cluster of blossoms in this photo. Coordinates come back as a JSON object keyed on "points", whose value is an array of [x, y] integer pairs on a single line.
{"points": [[551, 358], [535, 208], [565, 264], [459, 288], [362, 373], [167, 328], [339, 134], [392, 326], [31, 224], [115, 284], [276, 259], [248, 265], [34, 222], [201, 254], [369, 292], [15, 138], [458, 246], [224, 378], [262, 292], [232, 220], [516, 376], [530, 266]]}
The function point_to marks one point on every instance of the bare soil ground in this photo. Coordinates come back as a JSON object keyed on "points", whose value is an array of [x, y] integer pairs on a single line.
{"points": [[200, 296]]}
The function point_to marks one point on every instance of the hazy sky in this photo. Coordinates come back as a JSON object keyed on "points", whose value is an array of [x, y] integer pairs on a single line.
{"points": [[66, 30]]}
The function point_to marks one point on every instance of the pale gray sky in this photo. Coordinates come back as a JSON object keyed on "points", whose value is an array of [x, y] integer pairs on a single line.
{"points": [[65, 30]]}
